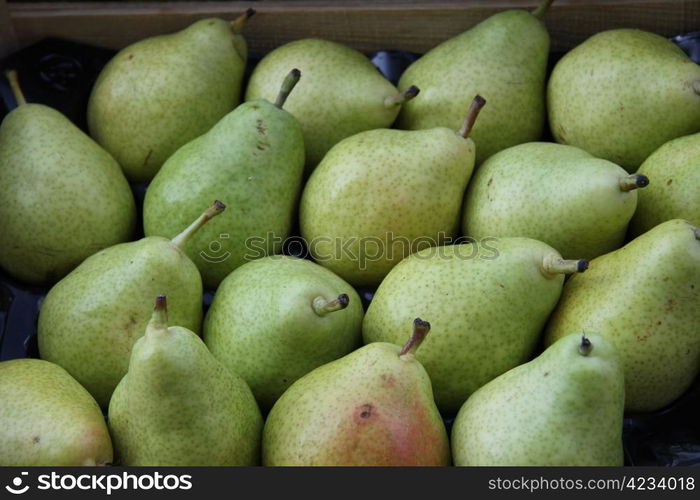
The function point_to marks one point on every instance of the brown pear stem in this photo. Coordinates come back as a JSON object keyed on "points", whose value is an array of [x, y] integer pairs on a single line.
{"points": [[633, 181], [420, 330], [180, 241], [322, 306], [238, 23], [553, 265], [542, 8], [288, 85], [473, 111], [401, 97], [585, 347], [159, 318], [13, 79]]}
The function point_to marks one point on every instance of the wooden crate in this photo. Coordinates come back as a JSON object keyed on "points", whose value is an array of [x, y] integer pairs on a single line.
{"points": [[364, 24]]}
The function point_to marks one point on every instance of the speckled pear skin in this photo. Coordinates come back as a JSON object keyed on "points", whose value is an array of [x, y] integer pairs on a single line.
{"points": [[161, 92], [504, 59], [602, 93], [560, 409], [63, 196], [645, 299], [369, 408], [48, 419], [410, 186], [178, 406], [487, 303], [554, 193], [90, 319], [340, 94], [675, 190], [262, 326], [253, 161]]}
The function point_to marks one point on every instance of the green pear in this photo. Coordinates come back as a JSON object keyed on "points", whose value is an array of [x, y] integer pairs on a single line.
{"points": [[623, 93], [63, 196], [342, 92], [372, 407], [254, 159], [675, 193], [90, 319], [178, 406], [487, 301], [409, 186], [645, 299], [48, 419], [558, 194], [275, 319], [161, 92], [564, 408], [503, 58]]}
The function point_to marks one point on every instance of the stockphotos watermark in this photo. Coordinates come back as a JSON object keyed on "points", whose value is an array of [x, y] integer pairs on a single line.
{"points": [[362, 250], [106, 483]]}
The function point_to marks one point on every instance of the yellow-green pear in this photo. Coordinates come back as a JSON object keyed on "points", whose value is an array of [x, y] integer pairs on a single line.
{"points": [[644, 299], [342, 92], [675, 192], [48, 419], [178, 406], [90, 319], [63, 196], [254, 159], [623, 93], [564, 408], [558, 194], [504, 59], [372, 407], [161, 92], [275, 319], [487, 302], [379, 195]]}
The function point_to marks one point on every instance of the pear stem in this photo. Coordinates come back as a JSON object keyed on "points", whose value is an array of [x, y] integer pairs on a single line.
{"points": [[554, 265], [401, 97], [420, 330], [542, 8], [473, 111], [159, 318], [322, 306], [238, 23], [13, 79], [288, 85], [633, 181], [180, 241], [585, 347]]}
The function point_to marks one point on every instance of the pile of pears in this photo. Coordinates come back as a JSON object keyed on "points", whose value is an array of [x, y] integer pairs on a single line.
{"points": [[458, 266]]}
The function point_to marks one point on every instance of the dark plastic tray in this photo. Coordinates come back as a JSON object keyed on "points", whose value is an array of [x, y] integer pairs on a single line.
{"points": [[60, 73]]}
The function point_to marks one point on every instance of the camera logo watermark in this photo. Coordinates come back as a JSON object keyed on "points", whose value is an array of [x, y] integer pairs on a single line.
{"points": [[16, 488], [106, 483], [361, 250]]}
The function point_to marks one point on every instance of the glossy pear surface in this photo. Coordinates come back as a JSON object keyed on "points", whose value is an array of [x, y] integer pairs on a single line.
{"points": [[675, 190], [504, 59], [381, 194], [48, 419], [563, 408], [340, 94], [264, 325], [63, 196], [487, 303], [623, 93], [161, 92], [554, 193], [645, 299]]}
